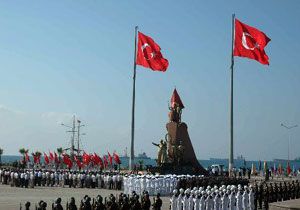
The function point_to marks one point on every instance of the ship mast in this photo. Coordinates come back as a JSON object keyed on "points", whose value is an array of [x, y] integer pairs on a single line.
{"points": [[73, 131]]}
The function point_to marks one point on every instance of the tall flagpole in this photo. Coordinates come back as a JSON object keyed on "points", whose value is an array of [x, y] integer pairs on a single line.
{"points": [[231, 164], [131, 160]]}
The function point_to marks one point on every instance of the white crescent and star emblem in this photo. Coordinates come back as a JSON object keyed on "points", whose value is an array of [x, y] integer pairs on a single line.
{"points": [[152, 53], [244, 42]]}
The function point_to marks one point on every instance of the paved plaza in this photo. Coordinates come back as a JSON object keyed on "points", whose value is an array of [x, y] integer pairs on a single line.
{"points": [[11, 197]]}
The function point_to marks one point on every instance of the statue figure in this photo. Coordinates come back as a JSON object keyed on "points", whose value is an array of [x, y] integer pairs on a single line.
{"points": [[162, 152], [175, 113]]}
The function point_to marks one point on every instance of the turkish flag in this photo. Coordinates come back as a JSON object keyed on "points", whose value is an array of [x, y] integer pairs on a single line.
{"points": [[109, 158], [78, 162], [67, 161], [46, 158], [117, 158], [250, 43], [86, 158], [56, 160], [96, 159], [105, 161], [149, 55], [27, 157], [288, 169], [51, 156]]}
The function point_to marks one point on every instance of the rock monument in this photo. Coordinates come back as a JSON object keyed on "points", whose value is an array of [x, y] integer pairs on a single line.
{"points": [[176, 153]]}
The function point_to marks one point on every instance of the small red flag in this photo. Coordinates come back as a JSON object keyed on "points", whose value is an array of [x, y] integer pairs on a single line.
{"points": [[78, 162], [288, 169], [36, 158], [51, 156], [27, 157], [250, 43], [86, 158], [149, 55], [46, 158], [105, 161], [175, 99], [67, 161], [56, 158], [117, 158], [109, 158]]}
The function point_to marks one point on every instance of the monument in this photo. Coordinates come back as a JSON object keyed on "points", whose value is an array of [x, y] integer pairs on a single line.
{"points": [[176, 153]]}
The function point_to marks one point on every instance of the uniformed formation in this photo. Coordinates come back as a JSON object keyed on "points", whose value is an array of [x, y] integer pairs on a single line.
{"points": [[234, 197], [121, 202], [187, 181], [275, 192], [30, 178], [153, 184], [217, 198]]}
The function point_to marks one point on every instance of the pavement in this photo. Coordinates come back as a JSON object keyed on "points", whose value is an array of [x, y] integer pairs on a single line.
{"points": [[12, 197], [285, 205]]}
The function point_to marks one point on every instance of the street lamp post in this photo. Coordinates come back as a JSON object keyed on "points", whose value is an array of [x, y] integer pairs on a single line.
{"points": [[289, 133]]}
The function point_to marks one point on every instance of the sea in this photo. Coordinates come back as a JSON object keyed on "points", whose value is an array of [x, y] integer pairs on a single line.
{"points": [[294, 164]]}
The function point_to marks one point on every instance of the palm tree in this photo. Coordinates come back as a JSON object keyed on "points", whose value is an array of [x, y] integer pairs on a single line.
{"points": [[26, 151], [59, 150], [1, 153], [22, 152]]}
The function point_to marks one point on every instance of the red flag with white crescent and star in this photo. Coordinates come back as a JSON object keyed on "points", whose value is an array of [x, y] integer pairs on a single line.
{"points": [[51, 156], [27, 159], [46, 158], [116, 158], [149, 55], [109, 158], [250, 43]]}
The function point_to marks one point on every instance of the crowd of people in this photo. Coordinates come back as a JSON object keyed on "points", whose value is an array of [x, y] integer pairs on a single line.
{"points": [[121, 202], [215, 198], [153, 184], [61, 178], [238, 197]]}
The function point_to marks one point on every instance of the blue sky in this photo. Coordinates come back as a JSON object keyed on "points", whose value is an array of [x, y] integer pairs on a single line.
{"points": [[59, 58]]}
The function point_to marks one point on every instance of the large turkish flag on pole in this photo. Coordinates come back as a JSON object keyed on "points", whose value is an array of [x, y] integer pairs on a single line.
{"points": [[149, 55], [250, 42]]}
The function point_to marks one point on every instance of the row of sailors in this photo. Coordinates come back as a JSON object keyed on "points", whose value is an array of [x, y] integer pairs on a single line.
{"points": [[223, 198], [153, 184], [72, 179]]}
